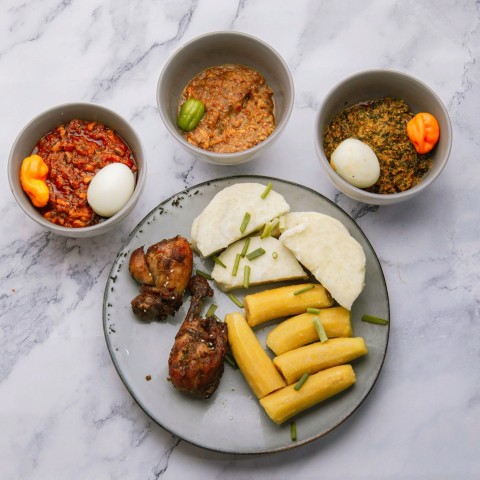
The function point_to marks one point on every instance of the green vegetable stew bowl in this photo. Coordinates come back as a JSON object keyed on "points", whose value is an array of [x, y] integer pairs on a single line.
{"points": [[380, 84], [217, 49]]}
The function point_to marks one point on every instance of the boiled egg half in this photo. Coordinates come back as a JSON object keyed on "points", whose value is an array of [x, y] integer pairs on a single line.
{"points": [[110, 189], [356, 163]]}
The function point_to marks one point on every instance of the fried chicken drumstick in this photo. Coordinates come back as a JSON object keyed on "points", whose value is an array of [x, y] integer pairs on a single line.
{"points": [[163, 272], [197, 357]]}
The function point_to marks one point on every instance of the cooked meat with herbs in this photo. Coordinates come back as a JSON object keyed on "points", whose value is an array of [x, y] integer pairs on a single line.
{"points": [[163, 272], [381, 124], [197, 357]]}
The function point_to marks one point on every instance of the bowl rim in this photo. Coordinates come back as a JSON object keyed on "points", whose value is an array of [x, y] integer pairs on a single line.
{"points": [[107, 223], [377, 197], [220, 157]]}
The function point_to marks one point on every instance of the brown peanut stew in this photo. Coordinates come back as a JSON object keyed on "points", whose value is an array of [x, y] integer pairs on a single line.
{"points": [[382, 124], [238, 108], [74, 153]]}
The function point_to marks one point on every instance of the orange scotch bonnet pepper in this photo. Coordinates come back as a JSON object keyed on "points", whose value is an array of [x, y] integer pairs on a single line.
{"points": [[33, 174], [423, 131]]}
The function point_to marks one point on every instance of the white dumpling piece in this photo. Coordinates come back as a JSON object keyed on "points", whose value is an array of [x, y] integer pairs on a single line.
{"points": [[330, 253], [218, 225], [110, 189], [275, 265], [356, 163]]}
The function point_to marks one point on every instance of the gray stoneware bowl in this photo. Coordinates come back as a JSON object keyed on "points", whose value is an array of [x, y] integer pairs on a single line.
{"points": [[46, 122], [373, 84], [219, 48]]}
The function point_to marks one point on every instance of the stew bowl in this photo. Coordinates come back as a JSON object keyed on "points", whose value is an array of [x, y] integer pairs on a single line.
{"points": [[215, 49], [47, 121]]}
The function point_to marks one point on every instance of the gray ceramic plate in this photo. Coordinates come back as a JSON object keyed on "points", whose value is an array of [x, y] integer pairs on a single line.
{"points": [[232, 421]]}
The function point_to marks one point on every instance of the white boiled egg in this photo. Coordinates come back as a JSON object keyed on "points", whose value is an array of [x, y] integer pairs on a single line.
{"points": [[110, 189], [356, 163]]}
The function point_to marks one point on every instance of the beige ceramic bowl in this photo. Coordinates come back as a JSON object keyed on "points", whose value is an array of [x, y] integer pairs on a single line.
{"points": [[46, 122], [373, 84], [219, 48]]}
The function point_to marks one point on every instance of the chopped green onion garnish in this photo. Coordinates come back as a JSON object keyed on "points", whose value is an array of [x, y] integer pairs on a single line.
{"points": [[306, 289], [302, 380], [267, 190], [218, 261], [245, 247], [246, 276], [293, 431], [315, 311], [235, 264], [211, 310], [203, 274], [256, 253], [372, 319], [282, 225], [230, 360], [245, 221], [320, 330], [267, 230], [275, 255], [235, 300]]}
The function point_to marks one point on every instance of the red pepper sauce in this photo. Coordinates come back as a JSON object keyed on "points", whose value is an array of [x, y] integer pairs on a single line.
{"points": [[74, 153]]}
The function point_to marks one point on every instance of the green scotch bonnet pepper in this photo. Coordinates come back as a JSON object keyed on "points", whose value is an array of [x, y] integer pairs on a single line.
{"points": [[190, 114]]}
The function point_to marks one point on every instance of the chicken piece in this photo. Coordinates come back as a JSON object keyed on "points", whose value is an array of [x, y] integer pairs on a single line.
{"points": [[197, 357], [163, 272], [138, 267]]}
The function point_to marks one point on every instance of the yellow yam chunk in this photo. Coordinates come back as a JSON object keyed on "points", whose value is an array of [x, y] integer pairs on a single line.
{"points": [[319, 356], [252, 360], [288, 402], [300, 330], [282, 302]]}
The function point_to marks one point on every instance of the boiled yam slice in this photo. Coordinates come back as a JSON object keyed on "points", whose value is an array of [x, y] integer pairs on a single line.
{"points": [[218, 225], [275, 265], [331, 254]]}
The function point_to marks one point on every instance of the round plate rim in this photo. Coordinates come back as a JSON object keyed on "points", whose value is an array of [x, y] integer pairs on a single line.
{"points": [[298, 443]]}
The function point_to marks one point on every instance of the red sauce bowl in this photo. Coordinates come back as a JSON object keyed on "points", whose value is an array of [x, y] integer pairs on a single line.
{"points": [[47, 121]]}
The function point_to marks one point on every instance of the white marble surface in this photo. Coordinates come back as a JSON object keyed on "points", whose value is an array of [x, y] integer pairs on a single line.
{"points": [[65, 414]]}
